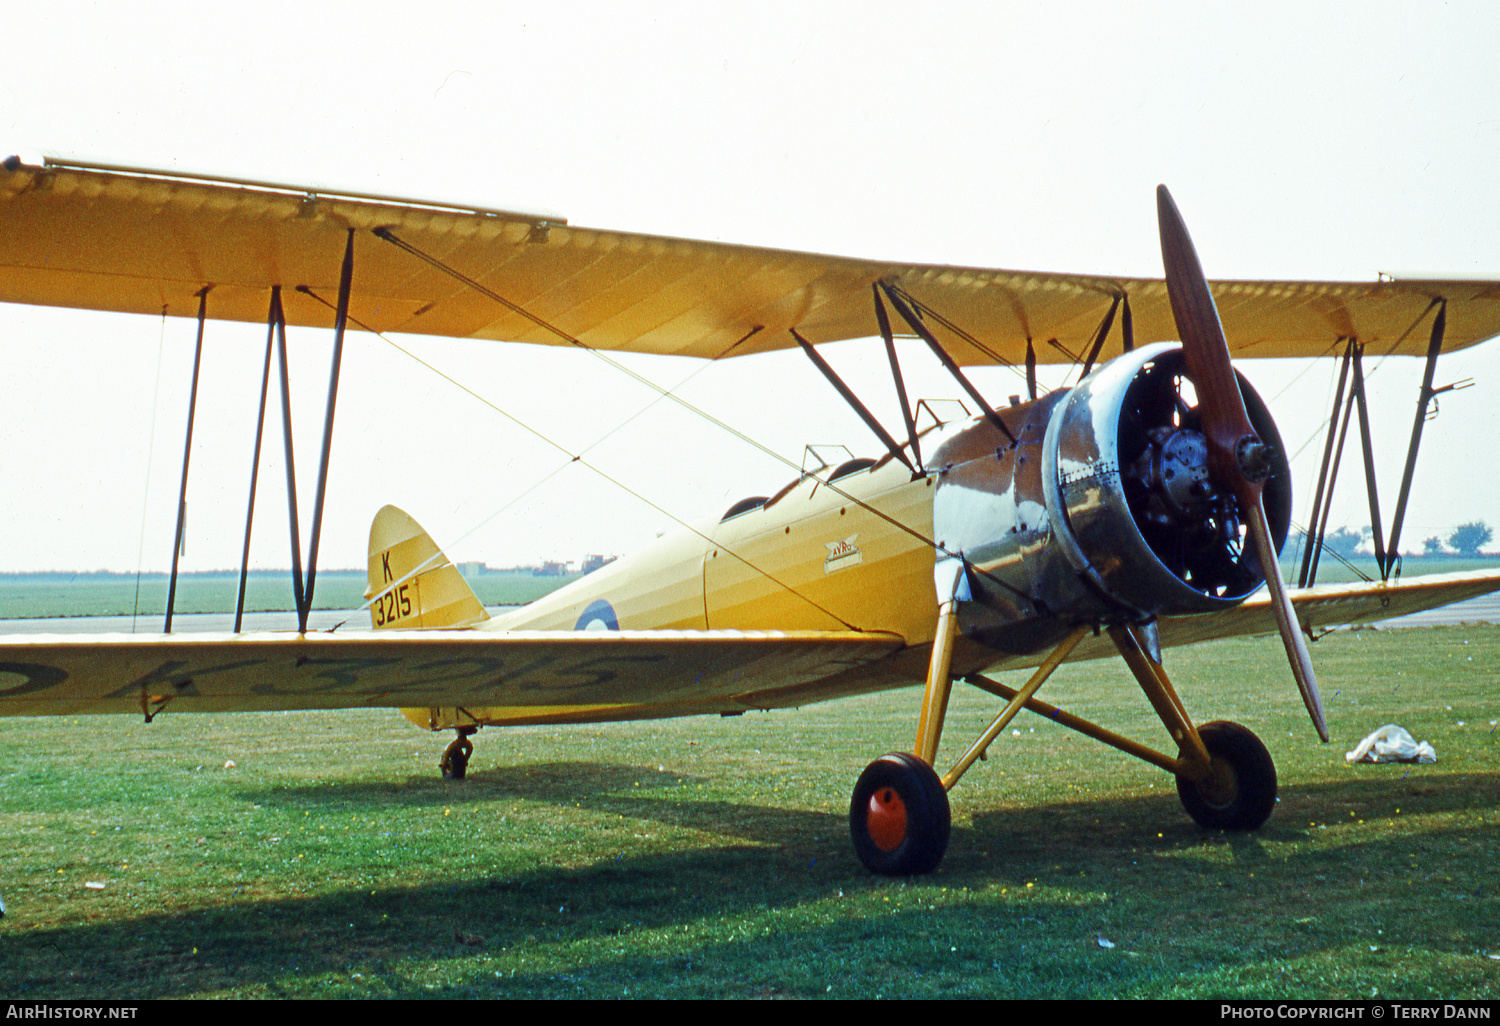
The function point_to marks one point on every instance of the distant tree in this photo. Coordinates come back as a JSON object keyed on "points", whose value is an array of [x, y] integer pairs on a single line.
{"points": [[1433, 546], [1467, 539], [1344, 542]]}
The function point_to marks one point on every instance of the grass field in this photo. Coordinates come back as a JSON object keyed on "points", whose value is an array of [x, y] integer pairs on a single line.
{"points": [[710, 857], [108, 594]]}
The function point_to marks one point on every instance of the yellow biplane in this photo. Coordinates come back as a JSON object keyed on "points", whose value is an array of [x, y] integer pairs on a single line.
{"points": [[1140, 509]]}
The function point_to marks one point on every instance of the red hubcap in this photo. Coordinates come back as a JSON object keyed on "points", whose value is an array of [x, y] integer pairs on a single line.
{"points": [[887, 819]]}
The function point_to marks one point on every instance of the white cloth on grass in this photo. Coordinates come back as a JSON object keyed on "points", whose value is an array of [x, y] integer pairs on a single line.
{"points": [[1391, 744]]}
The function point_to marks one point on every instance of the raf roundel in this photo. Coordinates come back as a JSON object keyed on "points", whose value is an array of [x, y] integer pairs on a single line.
{"points": [[599, 616]]}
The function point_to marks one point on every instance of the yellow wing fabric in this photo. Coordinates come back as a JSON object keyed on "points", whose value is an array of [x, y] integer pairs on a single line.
{"points": [[1334, 605], [560, 676], [539, 676], [1320, 607], [80, 236]]}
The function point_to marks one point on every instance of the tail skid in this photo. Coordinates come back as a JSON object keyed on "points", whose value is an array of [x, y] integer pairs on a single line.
{"points": [[411, 583]]}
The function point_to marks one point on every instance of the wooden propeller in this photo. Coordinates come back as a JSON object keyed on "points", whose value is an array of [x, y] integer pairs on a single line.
{"points": [[1238, 460]]}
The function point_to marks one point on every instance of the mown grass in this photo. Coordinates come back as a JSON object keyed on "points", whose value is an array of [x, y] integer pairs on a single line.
{"points": [[710, 858], [110, 594]]}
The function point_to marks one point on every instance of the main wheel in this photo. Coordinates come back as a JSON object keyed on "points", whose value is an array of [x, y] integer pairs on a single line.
{"points": [[899, 816], [1240, 792]]}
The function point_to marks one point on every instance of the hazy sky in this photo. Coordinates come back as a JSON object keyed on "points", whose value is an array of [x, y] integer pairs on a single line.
{"points": [[1300, 140]]}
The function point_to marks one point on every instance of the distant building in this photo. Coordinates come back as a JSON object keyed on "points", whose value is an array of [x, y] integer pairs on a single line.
{"points": [[592, 563], [551, 569], [471, 569]]}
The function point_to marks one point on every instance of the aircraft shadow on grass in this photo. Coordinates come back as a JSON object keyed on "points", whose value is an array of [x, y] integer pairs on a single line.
{"points": [[644, 792], [1000, 841], [638, 792], [1120, 879]]}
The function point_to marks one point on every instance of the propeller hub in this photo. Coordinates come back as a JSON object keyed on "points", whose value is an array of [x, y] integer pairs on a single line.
{"points": [[1255, 458]]}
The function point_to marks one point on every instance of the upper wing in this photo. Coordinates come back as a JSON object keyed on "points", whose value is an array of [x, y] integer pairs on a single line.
{"points": [[537, 675], [148, 242]]}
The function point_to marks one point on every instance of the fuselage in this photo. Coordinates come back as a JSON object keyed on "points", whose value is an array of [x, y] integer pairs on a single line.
{"points": [[1082, 507], [851, 553]]}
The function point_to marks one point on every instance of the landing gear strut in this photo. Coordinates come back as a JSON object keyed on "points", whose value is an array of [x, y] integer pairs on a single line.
{"points": [[456, 757], [899, 815]]}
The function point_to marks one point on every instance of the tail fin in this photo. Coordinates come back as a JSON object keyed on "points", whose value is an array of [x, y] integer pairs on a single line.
{"points": [[411, 582]]}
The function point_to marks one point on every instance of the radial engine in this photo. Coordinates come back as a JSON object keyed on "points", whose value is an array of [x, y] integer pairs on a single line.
{"points": [[1103, 509]]}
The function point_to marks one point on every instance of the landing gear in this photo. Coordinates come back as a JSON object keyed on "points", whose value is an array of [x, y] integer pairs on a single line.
{"points": [[456, 757], [899, 816], [1240, 789]]}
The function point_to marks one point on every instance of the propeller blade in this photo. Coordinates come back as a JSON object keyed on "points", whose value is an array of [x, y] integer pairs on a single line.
{"points": [[1286, 620], [1237, 458], [1225, 421]]}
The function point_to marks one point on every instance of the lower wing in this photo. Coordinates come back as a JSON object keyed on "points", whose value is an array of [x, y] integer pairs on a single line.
{"points": [[541, 675], [562, 676], [1318, 608]]}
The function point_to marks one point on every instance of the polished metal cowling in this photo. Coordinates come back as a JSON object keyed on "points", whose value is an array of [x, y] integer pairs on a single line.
{"points": [[1131, 503], [1102, 508]]}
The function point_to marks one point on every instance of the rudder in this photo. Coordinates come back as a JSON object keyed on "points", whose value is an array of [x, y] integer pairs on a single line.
{"points": [[411, 583]]}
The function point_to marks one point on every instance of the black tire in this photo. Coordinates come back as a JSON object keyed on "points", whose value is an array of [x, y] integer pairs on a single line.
{"points": [[899, 816], [1243, 792], [456, 759]]}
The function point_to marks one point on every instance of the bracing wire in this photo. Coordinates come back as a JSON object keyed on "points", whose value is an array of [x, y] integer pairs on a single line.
{"points": [[389, 236], [1304, 538], [140, 552], [572, 458], [1317, 431]]}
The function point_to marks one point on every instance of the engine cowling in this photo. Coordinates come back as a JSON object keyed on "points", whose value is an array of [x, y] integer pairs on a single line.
{"points": [[1103, 508]]}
